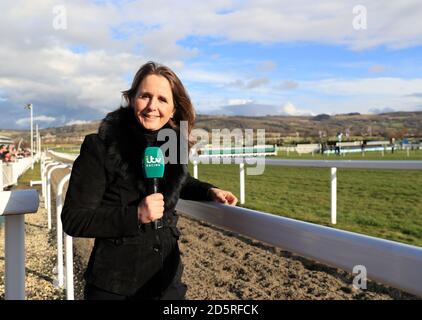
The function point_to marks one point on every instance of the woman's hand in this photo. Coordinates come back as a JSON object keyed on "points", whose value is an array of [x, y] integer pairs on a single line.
{"points": [[151, 208], [222, 196]]}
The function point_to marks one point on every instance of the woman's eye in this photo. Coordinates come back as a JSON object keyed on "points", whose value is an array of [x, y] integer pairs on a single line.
{"points": [[163, 100]]}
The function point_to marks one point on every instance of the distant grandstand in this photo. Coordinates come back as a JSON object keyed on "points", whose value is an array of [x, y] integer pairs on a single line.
{"points": [[5, 140]]}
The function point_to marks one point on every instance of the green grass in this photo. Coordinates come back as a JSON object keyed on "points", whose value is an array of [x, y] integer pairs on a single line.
{"points": [[72, 149], [380, 203], [370, 155], [30, 174]]}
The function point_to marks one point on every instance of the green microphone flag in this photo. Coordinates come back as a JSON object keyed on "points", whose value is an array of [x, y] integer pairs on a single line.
{"points": [[153, 163], [153, 167]]}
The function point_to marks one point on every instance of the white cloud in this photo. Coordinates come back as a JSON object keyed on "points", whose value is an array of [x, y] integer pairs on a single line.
{"points": [[267, 65], [248, 109], [386, 86], [73, 122], [93, 79], [250, 84], [26, 121], [231, 102], [291, 110], [396, 25], [288, 85]]}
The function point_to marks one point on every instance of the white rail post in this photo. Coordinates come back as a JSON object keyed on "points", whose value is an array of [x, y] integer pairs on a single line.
{"points": [[242, 182], [1, 176], [333, 195], [43, 179], [47, 166], [15, 253], [36, 141], [195, 169], [69, 268], [59, 206], [32, 136], [14, 204], [49, 172]]}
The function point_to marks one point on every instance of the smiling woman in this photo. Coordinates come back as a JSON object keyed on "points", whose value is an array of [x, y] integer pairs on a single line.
{"points": [[157, 97], [153, 104], [136, 254]]}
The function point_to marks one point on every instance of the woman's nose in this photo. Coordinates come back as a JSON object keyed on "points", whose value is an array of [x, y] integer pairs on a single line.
{"points": [[152, 104]]}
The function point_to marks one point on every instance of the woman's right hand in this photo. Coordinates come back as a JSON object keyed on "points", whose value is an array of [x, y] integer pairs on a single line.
{"points": [[151, 208]]}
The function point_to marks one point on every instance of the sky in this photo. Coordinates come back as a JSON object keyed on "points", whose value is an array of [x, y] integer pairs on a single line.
{"points": [[72, 59]]}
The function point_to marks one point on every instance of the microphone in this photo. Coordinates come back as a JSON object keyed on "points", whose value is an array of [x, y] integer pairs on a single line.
{"points": [[153, 168]]}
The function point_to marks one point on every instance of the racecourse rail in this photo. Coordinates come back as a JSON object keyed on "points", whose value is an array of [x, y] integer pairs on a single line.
{"points": [[396, 264]]}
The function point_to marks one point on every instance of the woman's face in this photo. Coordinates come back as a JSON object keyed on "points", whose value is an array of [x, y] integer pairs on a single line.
{"points": [[153, 103]]}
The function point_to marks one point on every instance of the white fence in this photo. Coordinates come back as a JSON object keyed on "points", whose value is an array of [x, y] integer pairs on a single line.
{"points": [[11, 171], [13, 205], [64, 274], [66, 156], [388, 262]]}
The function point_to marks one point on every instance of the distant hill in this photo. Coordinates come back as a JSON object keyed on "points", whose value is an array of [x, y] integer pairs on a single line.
{"points": [[385, 125], [397, 124]]}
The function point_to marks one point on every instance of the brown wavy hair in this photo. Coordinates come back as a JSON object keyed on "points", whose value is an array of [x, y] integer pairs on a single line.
{"points": [[182, 103]]}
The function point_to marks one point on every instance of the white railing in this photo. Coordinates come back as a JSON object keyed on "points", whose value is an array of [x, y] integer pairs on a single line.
{"points": [[49, 172], [69, 253], [47, 168], [388, 262], [11, 171], [13, 205], [332, 164], [350, 164], [66, 156]]}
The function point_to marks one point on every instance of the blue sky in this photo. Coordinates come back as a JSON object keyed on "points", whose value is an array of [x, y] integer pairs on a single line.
{"points": [[235, 57]]}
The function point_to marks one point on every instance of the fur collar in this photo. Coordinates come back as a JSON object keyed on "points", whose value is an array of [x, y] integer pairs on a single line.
{"points": [[125, 141]]}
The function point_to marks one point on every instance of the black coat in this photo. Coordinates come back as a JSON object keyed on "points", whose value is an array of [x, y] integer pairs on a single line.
{"points": [[104, 191]]}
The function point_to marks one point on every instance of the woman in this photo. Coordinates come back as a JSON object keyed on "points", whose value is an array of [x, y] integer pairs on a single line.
{"points": [[108, 197]]}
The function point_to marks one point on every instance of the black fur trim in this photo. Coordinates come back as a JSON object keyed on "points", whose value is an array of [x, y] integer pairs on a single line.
{"points": [[125, 142]]}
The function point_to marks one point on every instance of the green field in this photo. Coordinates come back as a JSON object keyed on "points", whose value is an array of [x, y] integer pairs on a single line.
{"points": [[72, 149], [369, 155], [380, 203]]}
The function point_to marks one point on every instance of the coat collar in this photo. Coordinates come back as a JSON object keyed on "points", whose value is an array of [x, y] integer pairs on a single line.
{"points": [[125, 142]]}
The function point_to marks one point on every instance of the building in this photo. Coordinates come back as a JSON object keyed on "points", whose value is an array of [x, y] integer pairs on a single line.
{"points": [[5, 140]]}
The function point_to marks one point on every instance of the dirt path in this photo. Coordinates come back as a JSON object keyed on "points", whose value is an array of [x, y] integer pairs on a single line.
{"points": [[223, 265]]}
